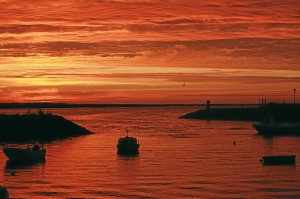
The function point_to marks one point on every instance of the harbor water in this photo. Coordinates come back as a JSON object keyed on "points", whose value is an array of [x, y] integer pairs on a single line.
{"points": [[178, 159]]}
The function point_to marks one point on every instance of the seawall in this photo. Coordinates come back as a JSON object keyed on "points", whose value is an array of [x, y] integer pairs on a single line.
{"points": [[280, 113]]}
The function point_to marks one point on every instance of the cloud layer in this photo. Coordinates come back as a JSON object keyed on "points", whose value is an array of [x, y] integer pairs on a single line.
{"points": [[107, 43]]}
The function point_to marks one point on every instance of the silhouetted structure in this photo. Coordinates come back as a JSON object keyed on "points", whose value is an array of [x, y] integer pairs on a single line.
{"points": [[264, 101], [45, 127], [3, 193], [271, 129], [128, 145], [25, 154], [279, 160], [294, 96], [280, 112], [207, 105]]}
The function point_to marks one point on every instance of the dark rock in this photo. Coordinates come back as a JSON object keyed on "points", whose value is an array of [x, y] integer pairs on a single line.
{"points": [[46, 127]]}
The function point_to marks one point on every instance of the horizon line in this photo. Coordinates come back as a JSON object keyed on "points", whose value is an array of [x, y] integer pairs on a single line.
{"points": [[90, 105]]}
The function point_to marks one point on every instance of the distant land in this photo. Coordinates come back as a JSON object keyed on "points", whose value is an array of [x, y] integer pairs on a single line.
{"points": [[279, 112], [37, 127], [67, 105]]}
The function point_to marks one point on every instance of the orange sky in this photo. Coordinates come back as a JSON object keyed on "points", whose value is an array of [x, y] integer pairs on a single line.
{"points": [[142, 51]]}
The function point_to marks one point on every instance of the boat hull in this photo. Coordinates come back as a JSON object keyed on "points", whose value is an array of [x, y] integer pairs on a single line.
{"points": [[16, 154], [279, 160], [277, 129], [128, 148], [3, 193]]}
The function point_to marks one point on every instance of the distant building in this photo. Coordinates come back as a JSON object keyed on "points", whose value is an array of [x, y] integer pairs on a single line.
{"points": [[207, 105]]}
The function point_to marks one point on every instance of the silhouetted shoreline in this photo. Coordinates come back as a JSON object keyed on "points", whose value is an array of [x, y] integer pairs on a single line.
{"points": [[38, 126], [280, 113]]}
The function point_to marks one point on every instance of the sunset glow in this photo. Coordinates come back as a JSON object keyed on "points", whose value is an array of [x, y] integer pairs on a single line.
{"points": [[143, 51]]}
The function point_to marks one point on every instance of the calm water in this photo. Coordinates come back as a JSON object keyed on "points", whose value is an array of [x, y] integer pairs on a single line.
{"points": [[178, 159]]}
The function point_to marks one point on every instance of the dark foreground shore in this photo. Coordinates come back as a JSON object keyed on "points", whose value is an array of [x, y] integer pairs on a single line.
{"points": [[38, 126], [279, 112]]}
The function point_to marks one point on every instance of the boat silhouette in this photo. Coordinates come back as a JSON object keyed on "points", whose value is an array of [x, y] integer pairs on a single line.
{"points": [[128, 145], [279, 160], [270, 129], [3, 193], [20, 154]]}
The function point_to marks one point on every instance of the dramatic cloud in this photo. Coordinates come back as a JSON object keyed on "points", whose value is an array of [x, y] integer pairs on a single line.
{"points": [[107, 43]]}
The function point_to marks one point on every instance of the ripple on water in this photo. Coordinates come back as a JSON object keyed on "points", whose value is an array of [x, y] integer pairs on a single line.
{"points": [[178, 159]]}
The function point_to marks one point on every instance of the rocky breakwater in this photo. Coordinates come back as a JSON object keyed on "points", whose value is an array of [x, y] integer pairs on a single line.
{"points": [[278, 112], [38, 126]]}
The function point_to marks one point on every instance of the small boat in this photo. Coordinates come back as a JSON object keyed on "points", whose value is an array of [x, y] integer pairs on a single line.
{"points": [[270, 129], [25, 154], [279, 160], [3, 193], [128, 145]]}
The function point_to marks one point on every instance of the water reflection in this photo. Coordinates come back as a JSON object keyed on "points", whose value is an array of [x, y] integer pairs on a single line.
{"points": [[178, 159], [24, 164], [128, 155], [128, 168]]}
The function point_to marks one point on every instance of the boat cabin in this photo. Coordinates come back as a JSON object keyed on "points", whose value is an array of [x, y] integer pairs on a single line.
{"points": [[128, 145]]}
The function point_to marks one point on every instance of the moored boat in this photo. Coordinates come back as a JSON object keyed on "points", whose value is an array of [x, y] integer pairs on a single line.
{"points": [[128, 145], [277, 129], [25, 154], [279, 160], [3, 193]]}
